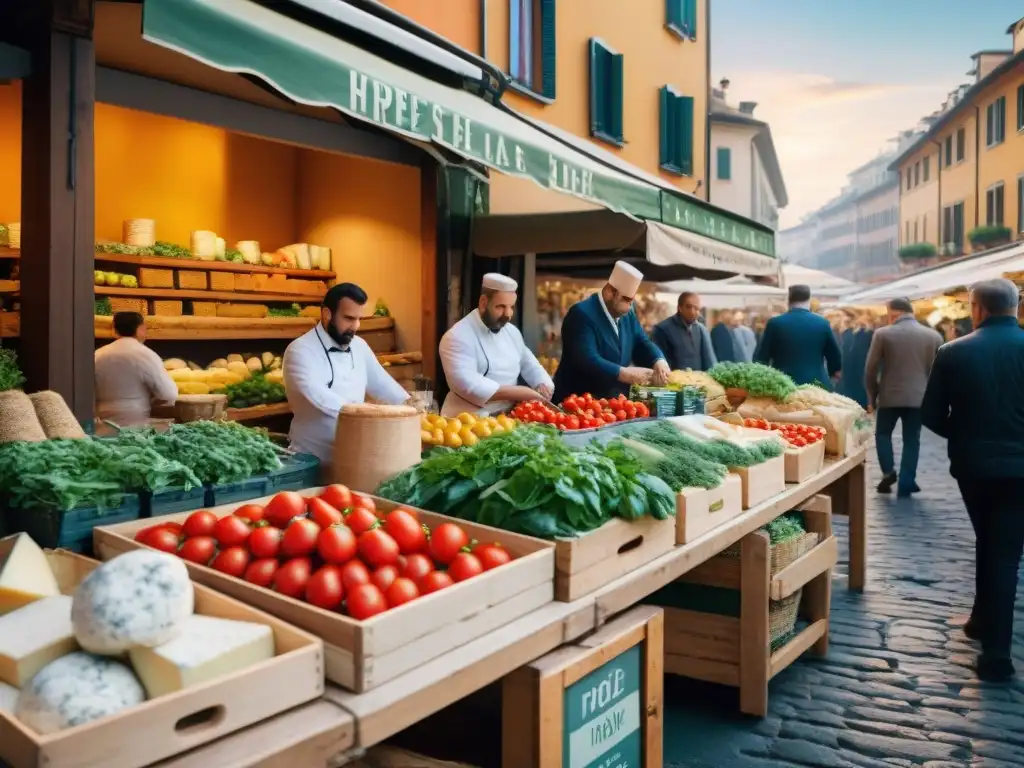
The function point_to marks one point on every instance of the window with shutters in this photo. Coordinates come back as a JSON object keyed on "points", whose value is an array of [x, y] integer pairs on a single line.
{"points": [[681, 17], [531, 49], [724, 163], [676, 132], [926, 168], [949, 150], [917, 173], [995, 122], [961, 143], [994, 206], [606, 84], [953, 226]]}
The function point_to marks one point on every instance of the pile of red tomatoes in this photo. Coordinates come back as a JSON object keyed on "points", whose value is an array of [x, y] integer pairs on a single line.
{"points": [[581, 412], [334, 551], [797, 435]]}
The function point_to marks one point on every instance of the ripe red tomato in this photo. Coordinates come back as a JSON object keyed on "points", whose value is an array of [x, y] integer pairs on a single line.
{"points": [[354, 573], [199, 550], [465, 566], [324, 589], [336, 544], [446, 541], [231, 531], [232, 561], [401, 591], [300, 538], [283, 508], [365, 601], [406, 531], [265, 541], [261, 572], [365, 502], [642, 411], [491, 555], [434, 581], [384, 576], [292, 577], [251, 513], [322, 513], [199, 523], [620, 415], [338, 496], [377, 548], [176, 528], [159, 538], [360, 520], [417, 566]]}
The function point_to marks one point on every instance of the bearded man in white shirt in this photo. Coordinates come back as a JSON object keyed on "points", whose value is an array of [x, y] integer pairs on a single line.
{"points": [[130, 376], [483, 356], [328, 367]]}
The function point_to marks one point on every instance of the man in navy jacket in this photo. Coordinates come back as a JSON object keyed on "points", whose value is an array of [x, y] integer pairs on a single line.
{"points": [[602, 343], [974, 400], [800, 343]]}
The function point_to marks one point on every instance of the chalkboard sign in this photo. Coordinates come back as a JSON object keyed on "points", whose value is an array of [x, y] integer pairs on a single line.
{"points": [[603, 716]]}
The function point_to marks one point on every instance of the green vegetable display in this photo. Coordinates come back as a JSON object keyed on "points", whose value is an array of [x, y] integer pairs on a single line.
{"points": [[167, 250], [11, 376], [785, 528], [255, 390], [293, 311], [722, 452], [102, 307], [758, 380]]}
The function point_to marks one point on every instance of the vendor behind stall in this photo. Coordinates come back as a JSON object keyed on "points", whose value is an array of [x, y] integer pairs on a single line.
{"points": [[130, 376], [483, 356], [602, 341], [329, 367]]}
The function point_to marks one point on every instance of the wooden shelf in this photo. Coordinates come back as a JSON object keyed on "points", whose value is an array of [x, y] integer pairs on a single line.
{"points": [[186, 293], [258, 412], [212, 266], [10, 286], [9, 253], [10, 325]]}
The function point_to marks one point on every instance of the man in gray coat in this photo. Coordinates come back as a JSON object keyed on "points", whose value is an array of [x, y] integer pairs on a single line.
{"points": [[896, 375], [683, 339]]}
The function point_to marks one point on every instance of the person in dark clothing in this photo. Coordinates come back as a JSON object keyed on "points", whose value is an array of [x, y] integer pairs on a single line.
{"points": [[973, 399], [723, 340], [855, 360], [683, 338], [800, 343]]}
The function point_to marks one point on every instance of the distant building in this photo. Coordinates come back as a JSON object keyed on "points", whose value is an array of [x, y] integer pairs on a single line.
{"points": [[745, 174]]}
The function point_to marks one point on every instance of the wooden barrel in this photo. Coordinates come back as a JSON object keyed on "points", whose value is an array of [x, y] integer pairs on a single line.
{"points": [[373, 443]]}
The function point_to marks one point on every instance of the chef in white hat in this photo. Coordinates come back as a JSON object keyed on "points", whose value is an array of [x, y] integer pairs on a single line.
{"points": [[483, 356], [604, 347]]}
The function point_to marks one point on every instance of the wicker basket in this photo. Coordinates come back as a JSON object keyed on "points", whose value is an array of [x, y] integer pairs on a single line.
{"points": [[56, 419], [199, 407], [373, 443]]}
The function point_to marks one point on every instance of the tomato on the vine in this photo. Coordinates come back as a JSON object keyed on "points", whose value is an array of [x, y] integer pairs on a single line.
{"points": [[491, 555], [200, 523], [300, 538], [383, 577], [292, 577], [251, 513], [354, 573], [377, 548], [261, 572], [233, 561], [265, 541], [324, 588], [401, 591], [434, 581], [283, 508], [322, 513], [159, 538], [200, 549], [360, 520], [417, 566], [338, 496], [365, 601], [231, 531], [336, 544], [446, 541], [465, 566], [406, 530]]}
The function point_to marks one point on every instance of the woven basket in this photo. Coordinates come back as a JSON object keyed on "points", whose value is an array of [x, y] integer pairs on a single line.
{"points": [[373, 443], [121, 304], [18, 420], [199, 407], [56, 419], [139, 232]]}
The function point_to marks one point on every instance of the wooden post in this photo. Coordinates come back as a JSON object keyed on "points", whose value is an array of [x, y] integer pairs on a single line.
{"points": [[57, 218], [856, 508], [598, 700], [817, 594], [755, 646]]}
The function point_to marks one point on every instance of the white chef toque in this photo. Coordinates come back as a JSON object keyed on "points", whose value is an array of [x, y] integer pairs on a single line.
{"points": [[497, 282], [625, 278]]}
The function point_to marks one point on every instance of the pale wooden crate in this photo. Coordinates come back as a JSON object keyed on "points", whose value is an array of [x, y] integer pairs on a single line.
{"points": [[804, 463], [762, 481], [204, 308], [193, 280], [171, 724], [361, 655], [222, 281], [122, 304], [168, 308], [589, 562], [699, 510], [156, 278]]}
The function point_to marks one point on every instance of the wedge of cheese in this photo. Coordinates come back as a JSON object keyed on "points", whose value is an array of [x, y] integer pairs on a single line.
{"points": [[204, 245], [25, 574], [250, 250], [33, 636], [208, 648]]}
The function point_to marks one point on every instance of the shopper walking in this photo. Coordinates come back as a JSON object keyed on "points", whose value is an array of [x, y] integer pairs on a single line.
{"points": [[973, 399], [800, 343], [722, 338], [683, 339], [744, 339], [896, 374], [855, 357]]}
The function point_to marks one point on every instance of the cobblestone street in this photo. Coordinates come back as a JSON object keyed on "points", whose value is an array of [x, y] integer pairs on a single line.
{"points": [[896, 688]]}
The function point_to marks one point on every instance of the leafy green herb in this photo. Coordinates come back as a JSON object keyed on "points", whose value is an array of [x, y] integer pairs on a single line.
{"points": [[785, 528], [102, 307], [167, 250], [11, 376], [757, 379], [293, 311], [255, 390], [381, 309]]}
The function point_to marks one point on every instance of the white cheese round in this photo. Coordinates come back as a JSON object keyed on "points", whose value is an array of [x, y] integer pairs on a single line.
{"points": [[141, 598], [76, 689]]}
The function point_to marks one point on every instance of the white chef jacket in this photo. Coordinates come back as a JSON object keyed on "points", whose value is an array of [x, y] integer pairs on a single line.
{"points": [[310, 363], [129, 378], [477, 363]]}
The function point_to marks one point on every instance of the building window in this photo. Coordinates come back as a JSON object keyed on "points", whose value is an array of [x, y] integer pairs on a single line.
{"points": [[724, 163], [917, 173], [906, 236], [606, 92], [676, 133], [995, 122], [681, 17], [532, 45], [926, 168], [953, 226], [994, 206], [1020, 107], [915, 231], [924, 228], [961, 143], [949, 150], [910, 178]]}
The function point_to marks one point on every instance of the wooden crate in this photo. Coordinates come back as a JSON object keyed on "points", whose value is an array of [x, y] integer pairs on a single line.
{"points": [[171, 724], [698, 510], [762, 481], [361, 655], [156, 278], [245, 282], [735, 650], [168, 308], [121, 304], [204, 308], [222, 281], [190, 279], [804, 463], [610, 683], [590, 561]]}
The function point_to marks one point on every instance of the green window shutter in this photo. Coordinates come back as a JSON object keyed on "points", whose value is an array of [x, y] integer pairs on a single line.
{"points": [[689, 14], [548, 47], [674, 13], [724, 164], [684, 105], [596, 87], [989, 124], [615, 96], [664, 131]]}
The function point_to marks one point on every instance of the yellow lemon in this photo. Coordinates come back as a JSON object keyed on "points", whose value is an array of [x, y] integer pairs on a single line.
{"points": [[453, 427], [426, 436], [482, 429], [431, 418], [468, 419], [452, 440], [503, 420], [465, 433], [496, 429], [470, 440], [438, 437]]}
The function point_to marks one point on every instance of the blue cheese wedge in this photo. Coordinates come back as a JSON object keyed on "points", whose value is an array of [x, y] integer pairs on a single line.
{"points": [[141, 598], [8, 698], [207, 648], [77, 689], [25, 574], [33, 636]]}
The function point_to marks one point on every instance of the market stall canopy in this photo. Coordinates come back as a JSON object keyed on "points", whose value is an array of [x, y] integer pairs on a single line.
{"points": [[723, 294], [312, 67], [822, 284], [944, 278]]}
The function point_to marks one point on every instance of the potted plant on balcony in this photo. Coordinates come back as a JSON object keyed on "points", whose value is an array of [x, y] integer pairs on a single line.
{"points": [[989, 236], [917, 252]]}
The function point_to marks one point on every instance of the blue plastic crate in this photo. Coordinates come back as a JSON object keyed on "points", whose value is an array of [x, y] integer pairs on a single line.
{"points": [[234, 493], [69, 529], [170, 500], [297, 473]]}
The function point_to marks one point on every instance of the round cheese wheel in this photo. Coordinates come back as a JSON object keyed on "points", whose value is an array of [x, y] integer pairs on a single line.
{"points": [[141, 598], [76, 689]]}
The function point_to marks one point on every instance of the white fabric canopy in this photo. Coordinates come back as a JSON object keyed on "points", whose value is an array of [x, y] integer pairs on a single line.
{"points": [[723, 294]]}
